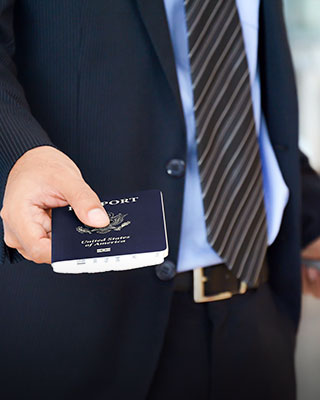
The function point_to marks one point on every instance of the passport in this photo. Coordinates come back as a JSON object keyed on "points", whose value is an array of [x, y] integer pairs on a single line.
{"points": [[136, 236]]}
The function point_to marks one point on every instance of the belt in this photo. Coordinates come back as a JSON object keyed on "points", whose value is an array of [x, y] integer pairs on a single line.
{"points": [[214, 283]]}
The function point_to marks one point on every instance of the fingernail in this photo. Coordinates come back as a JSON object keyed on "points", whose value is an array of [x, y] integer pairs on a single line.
{"points": [[97, 217], [312, 274]]}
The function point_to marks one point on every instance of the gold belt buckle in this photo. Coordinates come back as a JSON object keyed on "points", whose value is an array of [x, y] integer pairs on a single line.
{"points": [[199, 281]]}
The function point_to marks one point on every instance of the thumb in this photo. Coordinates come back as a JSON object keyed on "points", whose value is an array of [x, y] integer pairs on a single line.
{"points": [[85, 203], [312, 274]]}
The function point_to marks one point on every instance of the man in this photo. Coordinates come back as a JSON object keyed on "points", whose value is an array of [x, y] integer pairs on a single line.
{"points": [[98, 80]]}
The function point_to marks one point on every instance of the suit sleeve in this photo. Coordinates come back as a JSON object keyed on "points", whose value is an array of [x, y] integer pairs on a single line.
{"points": [[19, 131], [310, 202]]}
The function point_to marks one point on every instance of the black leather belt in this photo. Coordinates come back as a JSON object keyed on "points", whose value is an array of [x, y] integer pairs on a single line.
{"points": [[214, 283]]}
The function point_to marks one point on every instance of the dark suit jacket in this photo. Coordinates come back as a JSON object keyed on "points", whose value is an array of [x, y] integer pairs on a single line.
{"points": [[97, 79]]}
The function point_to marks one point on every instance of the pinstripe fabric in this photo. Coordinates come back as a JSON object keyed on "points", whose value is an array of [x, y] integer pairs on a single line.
{"points": [[228, 150]]}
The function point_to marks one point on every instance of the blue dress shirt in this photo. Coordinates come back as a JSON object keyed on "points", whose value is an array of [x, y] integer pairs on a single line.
{"points": [[194, 249]]}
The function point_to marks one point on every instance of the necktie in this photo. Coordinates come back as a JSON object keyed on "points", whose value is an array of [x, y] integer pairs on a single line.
{"points": [[228, 151]]}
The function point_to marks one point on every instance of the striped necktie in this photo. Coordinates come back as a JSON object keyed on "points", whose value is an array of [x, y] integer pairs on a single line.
{"points": [[228, 150]]}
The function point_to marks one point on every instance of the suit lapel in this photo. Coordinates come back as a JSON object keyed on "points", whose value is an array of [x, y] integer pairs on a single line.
{"points": [[154, 17], [277, 76]]}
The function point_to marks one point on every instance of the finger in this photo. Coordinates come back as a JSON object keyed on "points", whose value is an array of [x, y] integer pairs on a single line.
{"points": [[85, 203], [316, 291], [316, 284], [40, 253], [311, 281], [34, 242], [40, 216], [313, 274], [28, 233], [9, 237], [305, 281]]}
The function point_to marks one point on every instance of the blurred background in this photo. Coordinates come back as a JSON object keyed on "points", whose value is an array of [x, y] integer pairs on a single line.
{"points": [[303, 23]]}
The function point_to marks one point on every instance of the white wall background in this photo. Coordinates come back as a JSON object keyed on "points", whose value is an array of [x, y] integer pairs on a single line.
{"points": [[303, 20]]}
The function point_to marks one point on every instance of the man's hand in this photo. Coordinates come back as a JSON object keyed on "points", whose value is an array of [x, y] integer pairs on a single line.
{"points": [[310, 275], [42, 179]]}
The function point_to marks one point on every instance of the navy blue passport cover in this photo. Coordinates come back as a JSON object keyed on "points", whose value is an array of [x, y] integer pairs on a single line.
{"points": [[137, 226]]}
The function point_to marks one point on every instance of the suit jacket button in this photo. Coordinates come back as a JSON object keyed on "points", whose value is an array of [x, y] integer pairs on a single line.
{"points": [[176, 168], [166, 271]]}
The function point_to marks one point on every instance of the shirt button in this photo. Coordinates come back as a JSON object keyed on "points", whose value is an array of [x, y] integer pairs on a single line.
{"points": [[166, 271], [176, 168]]}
